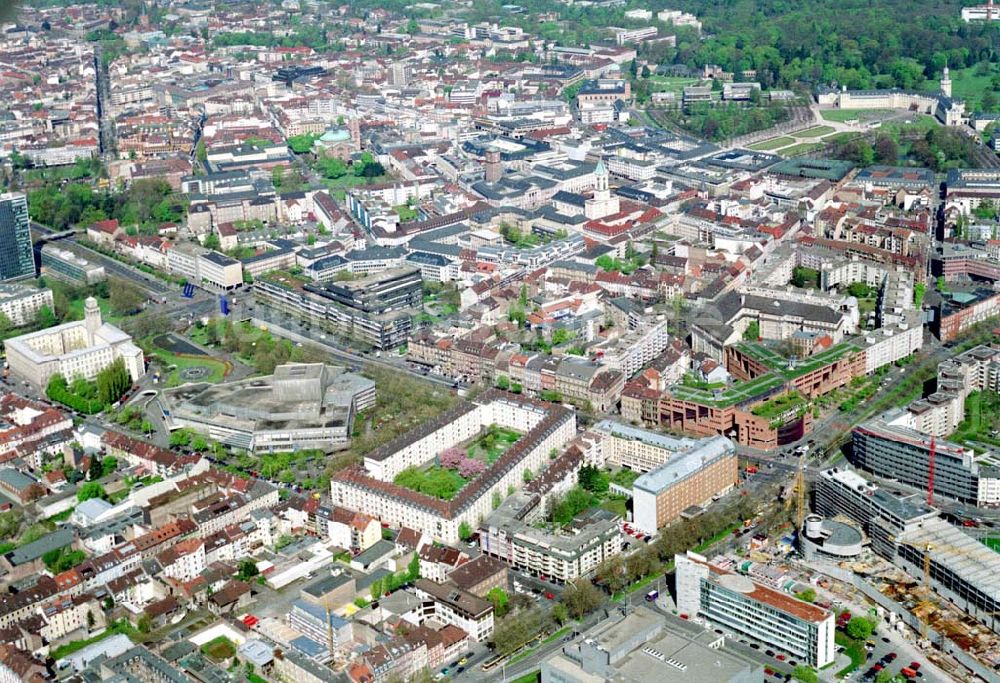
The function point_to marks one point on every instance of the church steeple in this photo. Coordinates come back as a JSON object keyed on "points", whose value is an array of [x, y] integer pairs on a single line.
{"points": [[600, 178]]}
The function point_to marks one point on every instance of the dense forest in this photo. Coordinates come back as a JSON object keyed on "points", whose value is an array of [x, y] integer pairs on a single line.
{"points": [[857, 43]]}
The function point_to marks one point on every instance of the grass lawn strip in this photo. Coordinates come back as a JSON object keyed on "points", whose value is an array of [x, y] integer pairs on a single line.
{"points": [[815, 132], [845, 115], [803, 148], [772, 144]]}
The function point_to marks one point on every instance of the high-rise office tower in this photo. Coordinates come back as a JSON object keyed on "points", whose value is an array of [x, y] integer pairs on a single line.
{"points": [[16, 258]]}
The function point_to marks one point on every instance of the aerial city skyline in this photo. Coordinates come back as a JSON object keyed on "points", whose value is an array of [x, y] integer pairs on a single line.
{"points": [[557, 342]]}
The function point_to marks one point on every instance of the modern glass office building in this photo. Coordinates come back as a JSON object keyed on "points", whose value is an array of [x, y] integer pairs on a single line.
{"points": [[16, 258]]}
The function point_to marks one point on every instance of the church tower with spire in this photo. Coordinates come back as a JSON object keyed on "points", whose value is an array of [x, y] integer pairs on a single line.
{"points": [[946, 82], [603, 203]]}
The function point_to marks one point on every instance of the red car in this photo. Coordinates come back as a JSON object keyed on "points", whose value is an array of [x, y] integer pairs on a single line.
{"points": [[877, 668], [915, 666], [780, 658], [549, 596]]}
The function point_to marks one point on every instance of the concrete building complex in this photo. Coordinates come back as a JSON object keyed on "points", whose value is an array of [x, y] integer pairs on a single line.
{"points": [[905, 530], [75, 349], [902, 453], [563, 556], [299, 406]]}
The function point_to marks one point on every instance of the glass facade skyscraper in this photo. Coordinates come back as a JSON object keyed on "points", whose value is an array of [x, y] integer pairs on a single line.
{"points": [[16, 258]]}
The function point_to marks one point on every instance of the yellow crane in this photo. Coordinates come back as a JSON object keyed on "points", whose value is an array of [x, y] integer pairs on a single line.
{"points": [[927, 586], [800, 490], [798, 496]]}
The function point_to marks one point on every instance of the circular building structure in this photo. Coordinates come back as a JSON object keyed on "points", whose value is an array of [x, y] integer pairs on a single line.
{"points": [[829, 539]]}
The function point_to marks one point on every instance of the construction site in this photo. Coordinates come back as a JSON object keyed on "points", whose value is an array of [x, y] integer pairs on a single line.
{"points": [[939, 620], [925, 572]]}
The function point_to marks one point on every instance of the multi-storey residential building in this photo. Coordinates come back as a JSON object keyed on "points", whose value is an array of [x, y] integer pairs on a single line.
{"points": [[636, 348], [21, 304], [637, 449], [695, 476], [66, 614], [508, 535], [184, 560], [451, 605], [543, 426], [770, 617]]}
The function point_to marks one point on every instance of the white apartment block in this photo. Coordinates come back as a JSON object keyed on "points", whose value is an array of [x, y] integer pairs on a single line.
{"points": [[185, 560], [219, 271], [638, 347], [640, 450], [624, 36], [370, 490], [21, 303], [768, 616], [633, 169], [563, 557], [888, 344], [451, 605]]}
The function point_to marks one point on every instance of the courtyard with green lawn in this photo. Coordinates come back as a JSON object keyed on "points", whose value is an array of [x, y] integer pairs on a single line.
{"points": [[219, 649], [492, 443], [455, 467]]}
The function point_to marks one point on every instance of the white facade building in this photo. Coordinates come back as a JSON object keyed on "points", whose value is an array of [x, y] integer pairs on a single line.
{"points": [[770, 617], [21, 303], [76, 349]]}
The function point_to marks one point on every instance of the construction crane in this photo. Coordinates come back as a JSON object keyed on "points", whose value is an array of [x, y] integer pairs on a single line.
{"points": [[798, 496], [927, 566], [800, 490], [930, 471]]}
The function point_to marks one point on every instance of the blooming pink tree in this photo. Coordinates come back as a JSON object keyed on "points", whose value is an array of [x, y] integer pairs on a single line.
{"points": [[451, 458], [470, 467]]}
